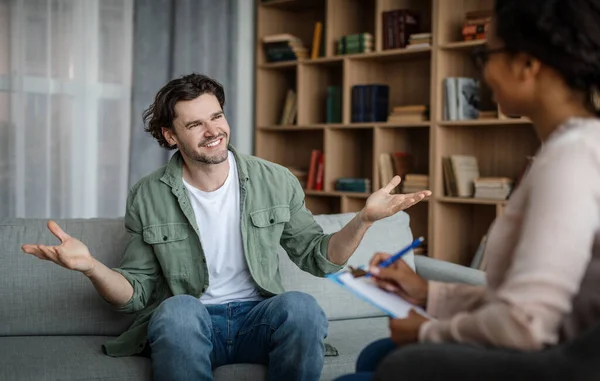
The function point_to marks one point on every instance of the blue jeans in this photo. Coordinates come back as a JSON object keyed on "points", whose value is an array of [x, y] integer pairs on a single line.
{"points": [[286, 332], [369, 359]]}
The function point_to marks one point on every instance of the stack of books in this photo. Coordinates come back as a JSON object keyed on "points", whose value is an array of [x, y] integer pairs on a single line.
{"points": [[408, 114], [414, 182], [355, 43], [398, 25], [284, 47], [350, 184], [494, 188], [419, 40], [476, 24]]}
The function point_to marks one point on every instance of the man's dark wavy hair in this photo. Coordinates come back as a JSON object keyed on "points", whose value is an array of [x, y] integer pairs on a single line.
{"points": [[161, 113]]}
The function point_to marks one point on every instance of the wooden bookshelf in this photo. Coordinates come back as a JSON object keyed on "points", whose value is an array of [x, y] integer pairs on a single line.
{"points": [[453, 226]]}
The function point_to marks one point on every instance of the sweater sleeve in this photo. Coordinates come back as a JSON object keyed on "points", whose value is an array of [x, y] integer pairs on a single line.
{"points": [[559, 224]]}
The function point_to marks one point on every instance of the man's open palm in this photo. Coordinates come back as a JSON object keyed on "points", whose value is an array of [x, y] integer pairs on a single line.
{"points": [[71, 253], [382, 204]]}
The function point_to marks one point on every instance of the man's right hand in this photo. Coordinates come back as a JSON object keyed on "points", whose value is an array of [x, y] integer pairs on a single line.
{"points": [[71, 254], [400, 279]]}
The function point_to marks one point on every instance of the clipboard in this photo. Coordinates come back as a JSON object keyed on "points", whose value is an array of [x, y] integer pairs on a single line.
{"points": [[366, 289]]}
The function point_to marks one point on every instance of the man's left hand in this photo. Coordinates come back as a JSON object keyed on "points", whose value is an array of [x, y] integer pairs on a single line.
{"points": [[382, 203], [406, 331]]}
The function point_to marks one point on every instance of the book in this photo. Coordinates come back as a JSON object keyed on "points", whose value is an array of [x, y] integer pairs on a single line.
{"points": [[365, 288]]}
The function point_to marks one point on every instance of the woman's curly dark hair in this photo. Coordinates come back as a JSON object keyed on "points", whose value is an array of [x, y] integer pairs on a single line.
{"points": [[563, 34], [161, 113]]}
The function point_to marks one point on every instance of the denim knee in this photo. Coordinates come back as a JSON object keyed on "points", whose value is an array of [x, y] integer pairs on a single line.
{"points": [[178, 314], [302, 309]]}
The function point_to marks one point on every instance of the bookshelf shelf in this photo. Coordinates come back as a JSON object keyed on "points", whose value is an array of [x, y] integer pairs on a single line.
{"points": [[392, 55], [352, 147], [486, 122], [477, 201], [462, 45], [280, 65]]}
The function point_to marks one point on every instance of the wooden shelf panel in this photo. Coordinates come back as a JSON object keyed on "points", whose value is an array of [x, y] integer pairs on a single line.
{"points": [[272, 87], [313, 82], [485, 122], [392, 55], [462, 45], [289, 148], [477, 201], [348, 153], [458, 228], [323, 205], [279, 65]]}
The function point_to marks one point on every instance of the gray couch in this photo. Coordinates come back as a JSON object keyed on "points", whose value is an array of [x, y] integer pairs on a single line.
{"points": [[52, 322]]}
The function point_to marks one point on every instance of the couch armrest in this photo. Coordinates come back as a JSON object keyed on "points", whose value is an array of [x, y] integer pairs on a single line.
{"points": [[434, 269]]}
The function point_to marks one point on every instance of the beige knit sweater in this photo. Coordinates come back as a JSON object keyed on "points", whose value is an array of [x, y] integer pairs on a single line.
{"points": [[543, 253]]}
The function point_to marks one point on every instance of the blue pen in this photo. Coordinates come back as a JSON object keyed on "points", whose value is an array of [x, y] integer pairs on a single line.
{"points": [[399, 254]]}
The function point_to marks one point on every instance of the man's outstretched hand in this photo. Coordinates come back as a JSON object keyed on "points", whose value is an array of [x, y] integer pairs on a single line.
{"points": [[382, 203], [71, 254]]}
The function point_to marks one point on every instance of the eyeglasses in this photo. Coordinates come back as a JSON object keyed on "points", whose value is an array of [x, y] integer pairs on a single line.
{"points": [[481, 55]]}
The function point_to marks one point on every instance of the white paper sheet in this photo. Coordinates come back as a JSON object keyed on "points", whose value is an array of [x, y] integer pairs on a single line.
{"points": [[390, 303]]}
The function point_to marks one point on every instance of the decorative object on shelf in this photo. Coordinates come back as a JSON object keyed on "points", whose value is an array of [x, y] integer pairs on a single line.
{"points": [[493, 188], [419, 40], [460, 172], [315, 51], [316, 170], [461, 98], [415, 182], [289, 109], [355, 43], [409, 114], [334, 105], [370, 103], [397, 26], [351, 184], [284, 47], [476, 24]]}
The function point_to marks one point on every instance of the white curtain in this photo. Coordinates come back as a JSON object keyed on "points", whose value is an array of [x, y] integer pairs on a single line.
{"points": [[65, 94]]}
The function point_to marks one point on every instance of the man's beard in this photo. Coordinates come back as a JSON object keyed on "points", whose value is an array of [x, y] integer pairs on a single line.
{"points": [[216, 158]]}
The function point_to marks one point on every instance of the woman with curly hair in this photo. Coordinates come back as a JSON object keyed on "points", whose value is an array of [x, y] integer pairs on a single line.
{"points": [[542, 61]]}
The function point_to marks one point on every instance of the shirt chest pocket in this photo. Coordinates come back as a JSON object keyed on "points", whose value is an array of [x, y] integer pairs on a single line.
{"points": [[268, 225], [171, 246]]}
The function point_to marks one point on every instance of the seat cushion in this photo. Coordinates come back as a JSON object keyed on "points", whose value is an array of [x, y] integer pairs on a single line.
{"points": [[69, 358], [66, 358]]}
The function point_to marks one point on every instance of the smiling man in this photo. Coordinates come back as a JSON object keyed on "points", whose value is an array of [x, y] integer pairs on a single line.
{"points": [[201, 268]]}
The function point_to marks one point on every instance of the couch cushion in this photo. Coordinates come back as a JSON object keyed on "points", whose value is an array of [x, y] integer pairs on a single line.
{"points": [[41, 298], [66, 358], [387, 235], [70, 358]]}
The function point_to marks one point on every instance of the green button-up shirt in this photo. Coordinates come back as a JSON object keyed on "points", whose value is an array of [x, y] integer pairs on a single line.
{"points": [[164, 256]]}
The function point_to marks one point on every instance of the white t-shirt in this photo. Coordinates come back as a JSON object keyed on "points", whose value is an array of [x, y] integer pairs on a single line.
{"points": [[218, 217]]}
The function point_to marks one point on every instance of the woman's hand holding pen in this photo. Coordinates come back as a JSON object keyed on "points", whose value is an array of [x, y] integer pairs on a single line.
{"points": [[400, 279]]}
